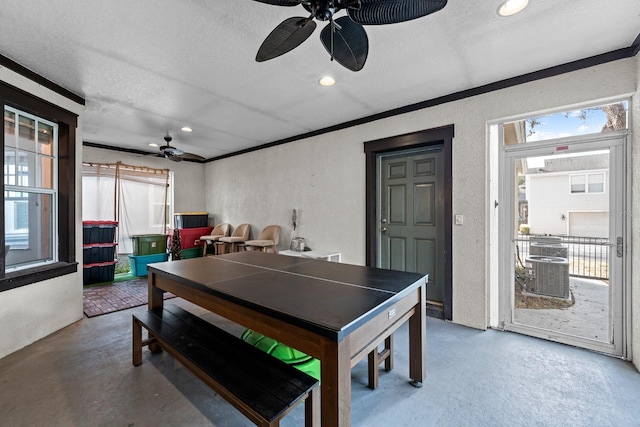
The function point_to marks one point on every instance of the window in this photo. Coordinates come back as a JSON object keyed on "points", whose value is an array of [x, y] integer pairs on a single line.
{"points": [[588, 120], [30, 190], [596, 183], [37, 237], [587, 183], [577, 184]]}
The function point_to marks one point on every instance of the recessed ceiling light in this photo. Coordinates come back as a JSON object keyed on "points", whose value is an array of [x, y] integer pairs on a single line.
{"points": [[327, 81], [153, 144], [186, 129], [511, 7]]}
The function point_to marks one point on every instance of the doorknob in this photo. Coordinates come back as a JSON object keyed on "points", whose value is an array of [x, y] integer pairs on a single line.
{"points": [[384, 229], [383, 220]]}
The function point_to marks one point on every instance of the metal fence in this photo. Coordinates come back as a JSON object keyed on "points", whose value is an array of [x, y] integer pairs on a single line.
{"points": [[588, 256]]}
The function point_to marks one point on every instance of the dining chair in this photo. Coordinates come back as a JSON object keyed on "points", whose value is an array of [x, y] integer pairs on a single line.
{"points": [[220, 230], [267, 239], [238, 237]]}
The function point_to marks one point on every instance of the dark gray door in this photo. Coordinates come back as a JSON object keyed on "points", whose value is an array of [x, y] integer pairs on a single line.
{"points": [[411, 216]]}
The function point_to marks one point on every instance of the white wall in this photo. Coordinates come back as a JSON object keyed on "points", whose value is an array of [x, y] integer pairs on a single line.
{"points": [[263, 187], [188, 177], [324, 176], [31, 312]]}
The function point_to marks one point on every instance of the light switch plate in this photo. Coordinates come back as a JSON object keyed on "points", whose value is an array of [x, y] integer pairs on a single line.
{"points": [[459, 219]]}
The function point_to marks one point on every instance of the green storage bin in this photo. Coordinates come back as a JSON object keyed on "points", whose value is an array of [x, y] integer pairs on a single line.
{"points": [[191, 253], [254, 338], [290, 356], [311, 367], [149, 244]]}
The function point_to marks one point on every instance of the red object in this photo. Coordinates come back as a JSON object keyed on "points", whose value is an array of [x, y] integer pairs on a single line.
{"points": [[190, 237], [98, 223]]}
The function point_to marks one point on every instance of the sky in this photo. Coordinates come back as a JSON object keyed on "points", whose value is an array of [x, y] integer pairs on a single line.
{"points": [[572, 123]]}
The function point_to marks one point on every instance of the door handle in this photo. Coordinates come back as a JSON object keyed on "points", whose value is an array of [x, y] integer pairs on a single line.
{"points": [[619, 247], [384, 229], [383, 220]]}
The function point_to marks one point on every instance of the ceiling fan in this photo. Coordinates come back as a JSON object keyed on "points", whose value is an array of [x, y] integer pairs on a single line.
{"points": [[175, 154], [344, 38]]}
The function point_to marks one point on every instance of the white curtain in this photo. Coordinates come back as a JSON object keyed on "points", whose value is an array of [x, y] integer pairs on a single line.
{"points": [[136, 197]]}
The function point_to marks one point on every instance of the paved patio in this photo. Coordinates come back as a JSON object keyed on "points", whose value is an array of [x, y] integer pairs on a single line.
{"points": [[587, 318]]}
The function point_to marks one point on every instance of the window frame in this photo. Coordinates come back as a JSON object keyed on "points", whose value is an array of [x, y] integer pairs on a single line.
{"points": [[584, 183], [25, 187], [587, 183], [66, 175]]}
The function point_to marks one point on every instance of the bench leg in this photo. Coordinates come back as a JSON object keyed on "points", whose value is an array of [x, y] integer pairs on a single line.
{"points": [[312, 408], [137, 342], [375, 358]]}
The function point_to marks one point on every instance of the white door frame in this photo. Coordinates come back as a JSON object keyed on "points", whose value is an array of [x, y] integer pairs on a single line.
{"points": [[619, 226]]}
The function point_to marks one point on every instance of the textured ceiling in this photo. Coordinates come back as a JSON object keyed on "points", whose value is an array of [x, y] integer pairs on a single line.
{"points": [[150, 67]]}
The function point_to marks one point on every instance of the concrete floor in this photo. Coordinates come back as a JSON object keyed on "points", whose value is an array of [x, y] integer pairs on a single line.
{"points": [[82, 376], [587, 318]]}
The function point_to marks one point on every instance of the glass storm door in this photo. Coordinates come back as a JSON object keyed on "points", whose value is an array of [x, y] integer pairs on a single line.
{"points": [[566, 241]]}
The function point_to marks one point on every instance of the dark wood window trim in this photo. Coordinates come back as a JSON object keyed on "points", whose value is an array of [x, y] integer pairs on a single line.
{"points": [[442, 135], [67, 124]]}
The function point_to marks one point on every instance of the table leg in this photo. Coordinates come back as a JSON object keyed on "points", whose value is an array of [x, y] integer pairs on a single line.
{"points": [[137, 342], [156, 301], [156, 295], [417, 341], [335, 383]]}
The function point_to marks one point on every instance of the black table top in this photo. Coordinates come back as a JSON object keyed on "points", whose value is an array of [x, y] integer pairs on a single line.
{"points": [[325, 297]]}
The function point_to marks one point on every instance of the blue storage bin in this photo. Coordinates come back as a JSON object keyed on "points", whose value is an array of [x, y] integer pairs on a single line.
{"points": [[139, 263]]}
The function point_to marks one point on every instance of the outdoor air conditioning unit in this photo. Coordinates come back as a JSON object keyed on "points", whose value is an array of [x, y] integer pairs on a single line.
{"points": [[551, 276], [546, 239], [548, 249]]}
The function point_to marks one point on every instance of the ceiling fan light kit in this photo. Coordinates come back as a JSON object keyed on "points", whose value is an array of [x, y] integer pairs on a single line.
{"points": [[175, 154], [345, 37]]}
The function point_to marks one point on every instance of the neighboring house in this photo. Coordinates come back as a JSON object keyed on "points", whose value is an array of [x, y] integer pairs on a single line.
{"points": [[568, 196]]}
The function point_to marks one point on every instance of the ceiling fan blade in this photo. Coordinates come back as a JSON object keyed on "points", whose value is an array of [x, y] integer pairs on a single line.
{"points": [[191, 156], [280, 2], [350, 43], [285, 37], [380, 12], [173, 157]]}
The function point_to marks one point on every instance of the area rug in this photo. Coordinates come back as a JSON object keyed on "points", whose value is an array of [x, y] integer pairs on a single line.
{"points": [[120, 295]]}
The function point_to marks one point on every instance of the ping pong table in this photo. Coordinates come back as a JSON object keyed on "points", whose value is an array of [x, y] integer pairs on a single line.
{"points": [[334, 312]]}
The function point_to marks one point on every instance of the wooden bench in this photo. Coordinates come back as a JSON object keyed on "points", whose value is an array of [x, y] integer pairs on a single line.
{"points": [[260, 386]]}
